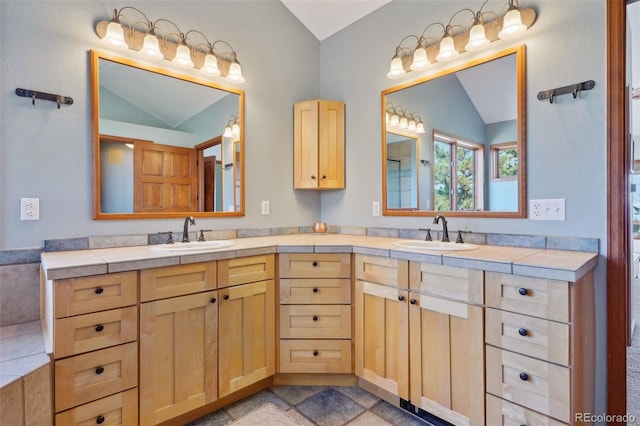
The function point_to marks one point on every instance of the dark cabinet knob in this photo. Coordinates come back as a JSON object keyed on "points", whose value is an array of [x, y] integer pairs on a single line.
{"points": [[401, 298], [315, 318], [324, 176], [523, 332], [412, 301], [98, 290], [523, 291], [524, 376], [100, 420], [315, 353], [213, 300], [225, 297], [314, 263], [313, 177], [99, 328], [315, 290], [99, 370]]}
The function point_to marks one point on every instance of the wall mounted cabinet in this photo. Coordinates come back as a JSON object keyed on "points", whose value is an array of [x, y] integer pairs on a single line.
{"points": [[318, 145]]}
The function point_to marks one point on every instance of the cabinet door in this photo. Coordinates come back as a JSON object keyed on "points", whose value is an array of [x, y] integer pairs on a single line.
{"points": [[331, 145], [178, 348], [305, 145], [447, 359], [247, 335], [381, 329]]}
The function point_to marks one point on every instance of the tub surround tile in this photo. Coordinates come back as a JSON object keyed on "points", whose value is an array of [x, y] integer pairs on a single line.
{"points": [[7, 380], [21, 340], [19, 293], [14, 257], [24, 364]]}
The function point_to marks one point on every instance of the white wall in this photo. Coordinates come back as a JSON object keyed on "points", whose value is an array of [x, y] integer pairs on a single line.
{"points": [[566, 140], [46, 153]]}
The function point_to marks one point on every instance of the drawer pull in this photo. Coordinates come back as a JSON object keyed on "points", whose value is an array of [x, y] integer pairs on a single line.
{"points": [[523, 332], [315, 290], [99, 328], [315, 318], [100, 420], [314, 263], [523, 291], [401, 298], [225, 297], [99, 370], [98, 290], [524, 377], [412, 301], [213, 300], [315, 353]]}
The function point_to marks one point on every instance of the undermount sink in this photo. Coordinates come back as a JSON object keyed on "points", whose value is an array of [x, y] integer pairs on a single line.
{"points": [[434, 245], [193, 246]]}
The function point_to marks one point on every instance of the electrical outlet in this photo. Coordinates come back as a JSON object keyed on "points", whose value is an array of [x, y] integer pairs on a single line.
{"points": [[265, 208], [552, 209], [29, 208], [375, 208]]}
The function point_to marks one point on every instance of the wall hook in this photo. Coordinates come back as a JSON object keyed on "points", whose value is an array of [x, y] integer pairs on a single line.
{"points": [[573, 89], [25, 93]]}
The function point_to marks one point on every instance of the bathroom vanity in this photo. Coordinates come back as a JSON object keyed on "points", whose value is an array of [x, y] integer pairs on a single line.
{"points": [[159, 336]]}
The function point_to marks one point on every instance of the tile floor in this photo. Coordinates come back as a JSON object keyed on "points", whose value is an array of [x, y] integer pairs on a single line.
{"points": [[318, 405]]}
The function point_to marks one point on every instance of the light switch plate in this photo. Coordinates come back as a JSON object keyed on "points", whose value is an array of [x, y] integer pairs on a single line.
{"points": [[549, 209]]}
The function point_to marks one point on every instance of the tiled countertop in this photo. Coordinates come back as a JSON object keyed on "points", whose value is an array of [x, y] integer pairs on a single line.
{"points": [[542, 263], [22, 351]]}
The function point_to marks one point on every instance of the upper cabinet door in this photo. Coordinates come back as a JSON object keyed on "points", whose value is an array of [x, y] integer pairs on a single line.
{"points": [[319, 145]]}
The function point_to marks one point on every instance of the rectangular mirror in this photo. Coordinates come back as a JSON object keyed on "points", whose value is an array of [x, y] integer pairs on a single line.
{"points": [[468, 124], [165, 144]]}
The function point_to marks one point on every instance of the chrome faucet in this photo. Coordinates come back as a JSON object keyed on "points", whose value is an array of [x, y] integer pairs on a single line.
{"points": [[445, 231], [185, 231]]}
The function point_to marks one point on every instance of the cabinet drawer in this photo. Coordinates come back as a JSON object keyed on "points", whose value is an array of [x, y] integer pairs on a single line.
{"points": [[382, 270], [316, 291], [501, 412], [537, 297], [462, 284], [315, 265], [244, 270], [87, 377], [82, 295], [315, 356], [315, 321], [538, 385], [539, 338], [84, 333], [170, 281], [118, 409]]}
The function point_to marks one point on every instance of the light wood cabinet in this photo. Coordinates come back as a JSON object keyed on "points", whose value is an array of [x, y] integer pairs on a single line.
{"points": [[91, 324], [382, 323], [315, 313], [540, 349], [318, 144], [246, 324], [178, 353]]}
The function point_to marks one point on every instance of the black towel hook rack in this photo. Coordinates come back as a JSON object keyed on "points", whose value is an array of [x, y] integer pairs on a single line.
{"points": [[573, 89], [25, 93]]}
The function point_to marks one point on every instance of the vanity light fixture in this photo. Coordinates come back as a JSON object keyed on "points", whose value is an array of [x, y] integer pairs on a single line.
{"points": [[232, 129], [453, 39], [162, 39], [403, 119]]}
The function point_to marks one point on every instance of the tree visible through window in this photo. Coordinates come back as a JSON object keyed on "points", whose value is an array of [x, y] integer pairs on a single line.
{"points": [[457, 180], [504, 161]]}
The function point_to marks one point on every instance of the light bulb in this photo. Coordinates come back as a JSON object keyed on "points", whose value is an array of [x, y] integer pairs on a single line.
{"points": [[412, 125], [150, 47], [228, 132], [512, 25], [235, 129], [114, 36], [183, 57], [447, 49], [211, 65], [396, 70], [420, 59], [394, 120], [420, 127], [235, 72], [477, 38], [404, 123], [387, 118]]}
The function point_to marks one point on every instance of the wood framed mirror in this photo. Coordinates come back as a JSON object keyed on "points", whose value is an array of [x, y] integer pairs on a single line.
{"points": [[471, 147], [160, 147]]}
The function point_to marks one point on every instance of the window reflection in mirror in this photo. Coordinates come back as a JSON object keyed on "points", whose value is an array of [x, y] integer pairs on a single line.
{"points": [[471, 155], [160, 149]]}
